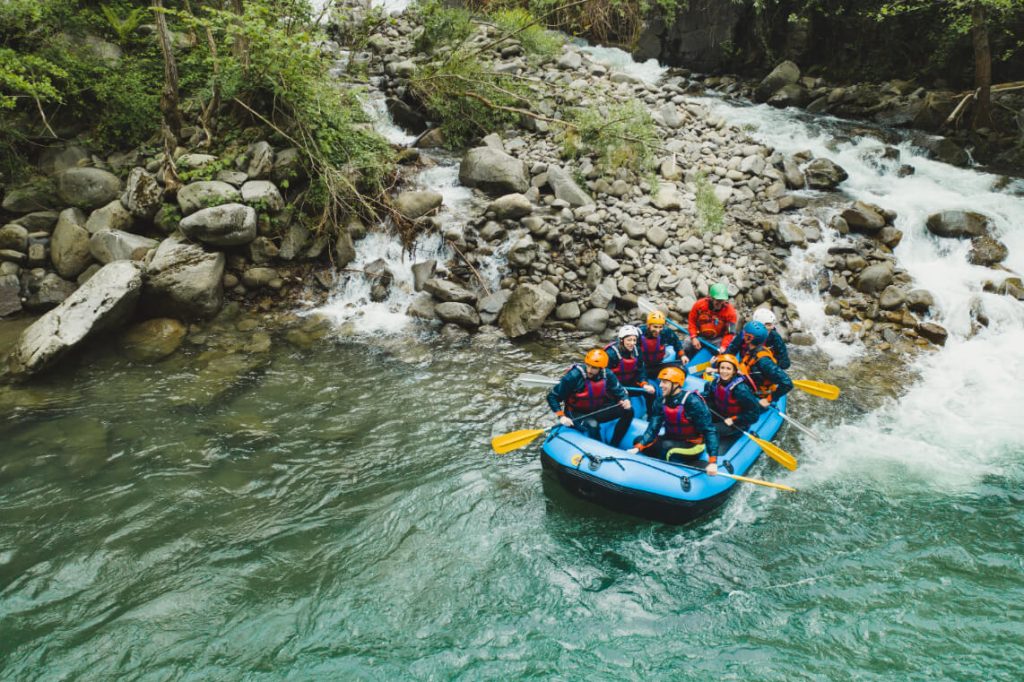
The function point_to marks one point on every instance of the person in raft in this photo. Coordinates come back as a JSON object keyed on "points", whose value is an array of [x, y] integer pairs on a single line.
{"points": [[588, 388], [770, 381], [626, 360], [655, 341], [713, 320], [689, 431], [731, 397]]}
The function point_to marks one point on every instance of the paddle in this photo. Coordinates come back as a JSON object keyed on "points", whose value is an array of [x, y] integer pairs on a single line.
{"points": [[507, 442], [817, 388], [797, 424], [746, 479], [774, 451], [541, 380], [648, 307]]}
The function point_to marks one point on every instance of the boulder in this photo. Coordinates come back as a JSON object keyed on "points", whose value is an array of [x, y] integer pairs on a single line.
{"points": [[183, 280], [490, 305], [263, 195], [344, 250], [167, 218], [792, 174], [784, 74], [113, 216], [935, 333], [511, 207], [87, 188], [14, 237], [526, 310], [204, 194], [863, 218], [958, 224], [69, 246], [493, 171], [523, 252], [294, 240], [448, 292], [44, 290], [287, 166], [461, 314], [568, 311], [10, 295], [256, 278], [920, 300], [416, 204], [142, 194], [421, 272], [261, 160], [791, 234], [105, 301], [890, 236], [152, 340], [892, 297], [422, 307], [986, 250], [824, 174], [53, 160], [565, 188], [111, 245], [227, 225], [38, 221], [875, 278], [594, 320], [667, 198], [789, 95], [194, 161], [38, 195]]}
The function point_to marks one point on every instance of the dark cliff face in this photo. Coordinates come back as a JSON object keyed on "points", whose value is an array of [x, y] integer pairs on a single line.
{"points": [[702, 37]]}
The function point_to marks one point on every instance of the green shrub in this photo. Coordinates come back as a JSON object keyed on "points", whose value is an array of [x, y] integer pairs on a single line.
{"points": [[534, 38], [130, 103], [441, 25], [710, 211], [621, 135]]}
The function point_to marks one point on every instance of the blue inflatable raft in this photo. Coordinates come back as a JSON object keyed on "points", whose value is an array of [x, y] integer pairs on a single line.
{"points": [[648, 487]]}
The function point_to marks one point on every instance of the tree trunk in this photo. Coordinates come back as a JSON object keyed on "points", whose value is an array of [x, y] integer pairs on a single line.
{"points": [[241, 46], [982, 67], [171, 127]]}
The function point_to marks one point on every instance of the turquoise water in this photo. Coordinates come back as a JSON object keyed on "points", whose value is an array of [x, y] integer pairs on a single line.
{"points": [[334, 512]]}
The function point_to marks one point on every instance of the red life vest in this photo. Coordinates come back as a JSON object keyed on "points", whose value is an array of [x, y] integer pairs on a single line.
{"points": [[751, 358], [591, 398], [628, 369], [725, 401], [678, 426], [653, 350]]}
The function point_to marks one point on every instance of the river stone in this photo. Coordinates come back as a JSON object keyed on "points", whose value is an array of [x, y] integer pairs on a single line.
{"points": [[255, 278], [935, 333], [667, 198], [193, 161], [565, 188], [863, 218], [570, 61], [824, 174], [111, 245], [103, 302], [448, 292], [670, 170], [522, 252], [421, 272], [152, 340], [287, 166], [890, 236], [986, 250], [526, 310], [789, 95], [511, 207], [603, 294], [493, 171], [264, 195], [69, 247], [261, 160], [791, 234], [10, 295], [594, 320], [416, 204], [87, 188], [461, 314], [227, 225], [43, 290], [657, 236], [792, 174], [56, 159], [184, 280], [143, 195], [958, 224], [14, 237], [344, 250], [38, 195], [113, 216], [892, 297], [490, 305], [294, 240], [206, 193], [38, 221], [568, 311], [875, 278], [920, 300], [12, 256], [422, 307], [607, 263], [693, 245], [785, 73]]}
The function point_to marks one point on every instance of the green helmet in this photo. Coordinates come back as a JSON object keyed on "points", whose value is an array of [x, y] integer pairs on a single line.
{"points": [[720, 291]]}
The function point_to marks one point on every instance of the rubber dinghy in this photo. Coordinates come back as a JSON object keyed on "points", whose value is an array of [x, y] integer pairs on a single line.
{"points": [[649, 487]]}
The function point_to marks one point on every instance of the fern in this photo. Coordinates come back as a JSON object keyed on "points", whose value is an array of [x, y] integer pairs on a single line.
{"points": [[123, 27]]}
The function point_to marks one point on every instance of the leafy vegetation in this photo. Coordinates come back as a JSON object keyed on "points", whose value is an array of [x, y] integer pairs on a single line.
{"points": [[710, 211], [535, 39], [621, 135], [441, 25]]}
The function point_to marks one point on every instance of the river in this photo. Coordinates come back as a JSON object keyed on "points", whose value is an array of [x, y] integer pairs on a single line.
{"points": [[331, 510]]}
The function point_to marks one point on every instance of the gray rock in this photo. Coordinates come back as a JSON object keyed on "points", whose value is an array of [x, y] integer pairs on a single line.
{"points": [[461, 314], [875, 278], [824, 174], [10, 295], [227, 225], [184, 280], [565, 188], [111, 245], [790, 95], [421, 272], [416, 204], [264, 195], [87, 188], [344, 250], [194, 161], [523, 252], [167, 218], [792, 174], [634, 229], [204, 194], [493, 171], [45, 292], [12, 256], [603, 294], [294, 240], [667, 198], [607, 263], [422, 307], [863, 218], [113, 216], [152, 340], [257, 278], [38, 195], [510, 207], [986, 250], [958, 224], [526, 310], [692, 245], [791, 234], [14, 237], [39, 221], [142, 194], [920, 300], [570, 61], [104, 302], [448, 292], [594, 320], [892, 297], [490, 305], [287, 166], [232, 177], [890, 236], [785, 73], [935, 333], [657, 236], [261, 160], [568, 311], [69, 247], [56, 159]]}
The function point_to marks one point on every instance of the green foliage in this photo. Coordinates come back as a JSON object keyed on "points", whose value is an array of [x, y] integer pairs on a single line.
{"points": [[710, 211], [535, 39], [621, 135], [131, 103], [123, 28], [27, 75], [441, 25]]}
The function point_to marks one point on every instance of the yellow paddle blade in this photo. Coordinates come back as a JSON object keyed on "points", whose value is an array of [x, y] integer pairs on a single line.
{"points": [[697, 369], [774, 451], [757, 481], [507, 442], [818, 388]]}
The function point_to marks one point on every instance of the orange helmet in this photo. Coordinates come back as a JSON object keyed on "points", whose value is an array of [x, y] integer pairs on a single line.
{"points": [[655, 317], [596, 358], [732, 360], [672, 374]]}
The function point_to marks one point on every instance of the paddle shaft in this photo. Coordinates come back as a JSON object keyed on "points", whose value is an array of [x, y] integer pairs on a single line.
{"points": [[797, 424], [745, 479]]}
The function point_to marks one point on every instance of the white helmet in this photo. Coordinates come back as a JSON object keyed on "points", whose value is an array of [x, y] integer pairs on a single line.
{"points": [[764, 316], [628, 330]]}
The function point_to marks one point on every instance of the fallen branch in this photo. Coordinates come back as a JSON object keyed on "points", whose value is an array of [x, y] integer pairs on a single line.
{"points": [[476, 272]]}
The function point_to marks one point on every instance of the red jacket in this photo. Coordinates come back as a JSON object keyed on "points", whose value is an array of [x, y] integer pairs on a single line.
{"points": [[709, 324]]}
